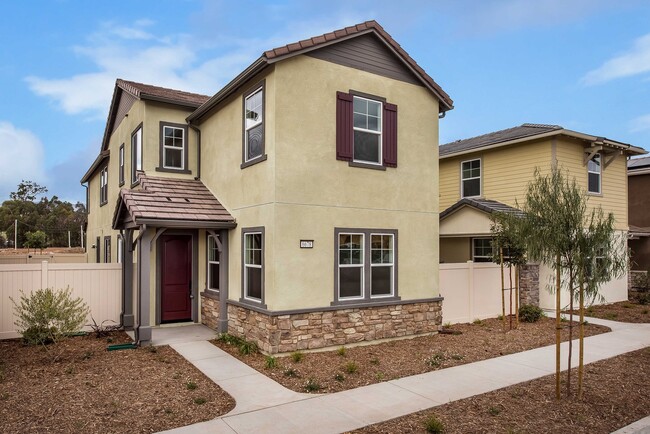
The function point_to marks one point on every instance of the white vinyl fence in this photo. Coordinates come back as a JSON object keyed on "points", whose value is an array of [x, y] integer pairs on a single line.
{"points": [[99, 285], [472, 290]]}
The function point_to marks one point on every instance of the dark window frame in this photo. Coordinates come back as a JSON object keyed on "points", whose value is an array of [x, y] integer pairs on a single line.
{"points": [[121, 162], [208, 262], [107, 249], [367, 297], [480, 178], [103, 186], [135, 179], [161, 148], [120, 249], [98, 250], [261, 85], [244, 299]]}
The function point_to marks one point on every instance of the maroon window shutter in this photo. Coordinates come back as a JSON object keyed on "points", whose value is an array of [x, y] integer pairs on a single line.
{"points": [[390, 135], [344, 131]]}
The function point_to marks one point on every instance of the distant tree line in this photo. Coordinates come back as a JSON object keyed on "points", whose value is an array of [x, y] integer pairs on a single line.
{"points": [[35, 211]]}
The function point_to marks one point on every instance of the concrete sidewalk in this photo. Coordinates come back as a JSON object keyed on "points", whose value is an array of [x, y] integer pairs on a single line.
{"points": [[265, 406]]}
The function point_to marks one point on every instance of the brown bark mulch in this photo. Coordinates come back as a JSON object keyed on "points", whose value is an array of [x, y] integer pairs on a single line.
{"points": [[624, 311], [89, 389], [348, 368], [615, 395]]}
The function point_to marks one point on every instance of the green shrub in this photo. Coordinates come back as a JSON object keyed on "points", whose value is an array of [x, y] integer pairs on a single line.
{"points": [[245, 347], [477, 321], [312, 385], [270, 362], [530, 313], [341, 351], [297, 356], [290, 372], [200, 401], [339, 377], [47, 315], [433, 425], [436, 360], [191, 385], [351, 367]]}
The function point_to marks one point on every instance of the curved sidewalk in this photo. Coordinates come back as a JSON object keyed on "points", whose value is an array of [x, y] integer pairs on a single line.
{"points": [[265, 406]]}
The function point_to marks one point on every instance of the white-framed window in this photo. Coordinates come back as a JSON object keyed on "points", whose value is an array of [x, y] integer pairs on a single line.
{"points": [[470, 178], [136, 154], [103, 186], [351, 275], [213, 263], [121, 165], [367, 130], [254, 124], [594, 173], [173, 147], [253, 265], [120, 249], [366, 264], [482, 249]]}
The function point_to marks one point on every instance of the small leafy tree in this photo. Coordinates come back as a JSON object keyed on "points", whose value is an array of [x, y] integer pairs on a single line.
{"points": [[36, 240], [46, 315]]}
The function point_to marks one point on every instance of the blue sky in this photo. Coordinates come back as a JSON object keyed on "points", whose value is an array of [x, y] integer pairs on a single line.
{"points": [[582, 64]]}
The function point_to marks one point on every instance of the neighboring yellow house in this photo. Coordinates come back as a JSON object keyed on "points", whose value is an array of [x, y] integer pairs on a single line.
{"points": [[305, 213], [489, 173]]}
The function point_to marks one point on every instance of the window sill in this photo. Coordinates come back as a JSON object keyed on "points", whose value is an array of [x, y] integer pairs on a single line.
{"points": [[366, 301], [591, 193], [249, 302], [103, 203], [210, 293], [253, 161], [169, 170], [135, 184], [121, 184], [366, 165]]}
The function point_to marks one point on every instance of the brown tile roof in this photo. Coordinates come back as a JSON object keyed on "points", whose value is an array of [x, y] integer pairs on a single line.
{"points": [[315, 41], [638, 163], [486, 205], [172, 200], [147, 91]]}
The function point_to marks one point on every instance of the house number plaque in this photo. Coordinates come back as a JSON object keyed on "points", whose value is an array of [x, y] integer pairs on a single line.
{"points": [[306, 244]]}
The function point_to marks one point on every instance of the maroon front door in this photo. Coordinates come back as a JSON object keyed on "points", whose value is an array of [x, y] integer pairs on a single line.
{"points": [[176, 278]]}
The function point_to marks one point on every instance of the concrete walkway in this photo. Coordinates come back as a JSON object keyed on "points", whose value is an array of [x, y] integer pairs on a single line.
{"points": [[265, 406]]}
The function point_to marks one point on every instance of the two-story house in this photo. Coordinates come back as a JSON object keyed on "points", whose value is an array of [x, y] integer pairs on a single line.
{"points": [[638, 180], [490, 173], [307, 214]]}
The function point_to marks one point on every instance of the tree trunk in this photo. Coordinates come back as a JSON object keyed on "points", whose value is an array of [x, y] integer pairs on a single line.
{"points": [[558, 327], [582, 338], [503, 289], [568, 382]]}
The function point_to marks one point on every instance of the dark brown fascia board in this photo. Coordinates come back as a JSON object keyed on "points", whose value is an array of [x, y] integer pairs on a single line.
{"points": [[386, 43], [104, 155], [185, 224], [252, 70], [607, 142], [118, 210]]}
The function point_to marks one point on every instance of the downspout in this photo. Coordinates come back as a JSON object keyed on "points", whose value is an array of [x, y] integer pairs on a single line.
{"points": [[198, 150]]}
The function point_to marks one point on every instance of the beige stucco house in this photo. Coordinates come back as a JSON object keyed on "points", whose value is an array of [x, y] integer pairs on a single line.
{"points": [[297, 207], [490, 173]]}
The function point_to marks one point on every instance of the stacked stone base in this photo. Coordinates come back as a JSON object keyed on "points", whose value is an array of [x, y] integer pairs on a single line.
{"points": [[303, 331], [210, 311], [529, 284]]}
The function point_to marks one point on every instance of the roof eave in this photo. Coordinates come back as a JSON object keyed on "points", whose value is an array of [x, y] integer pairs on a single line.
{"points": [[186, 224], [104, 155], [188, 104]]}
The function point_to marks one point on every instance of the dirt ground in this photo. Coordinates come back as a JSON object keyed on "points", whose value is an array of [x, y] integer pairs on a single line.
{"points": [[342, 369], [47, 250], [615, 395], [624, 311], [90, 389]]}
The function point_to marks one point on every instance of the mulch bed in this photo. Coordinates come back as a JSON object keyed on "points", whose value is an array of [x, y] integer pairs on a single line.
{"points": [[624, 311], [615, 395], [89, 389], [337, 370]]}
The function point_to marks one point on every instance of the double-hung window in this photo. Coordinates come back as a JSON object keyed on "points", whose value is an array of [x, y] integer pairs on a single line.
{"points": [[594, 171], [121, 165], [253, 269], [253, 146], [173, 147], [482, 249], [366, 261], [103, 186], [136, 154], [470, 176], [367, 131], [107, 249], [213, 263], [120, 249]]}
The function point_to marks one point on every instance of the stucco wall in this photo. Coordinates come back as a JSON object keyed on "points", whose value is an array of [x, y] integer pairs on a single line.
{"points": [[454, 250]]}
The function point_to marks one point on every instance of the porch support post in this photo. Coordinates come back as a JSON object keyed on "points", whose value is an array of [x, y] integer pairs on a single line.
{"points": [[222, 326], [144, 286], [126, 318]]}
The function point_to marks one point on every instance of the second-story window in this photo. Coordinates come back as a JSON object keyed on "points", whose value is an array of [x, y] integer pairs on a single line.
{"points": [[121, 157], [254, 126], [367, 131], [594, 173], [136, 154], [470, 178], [103, 186], [173, 146]]}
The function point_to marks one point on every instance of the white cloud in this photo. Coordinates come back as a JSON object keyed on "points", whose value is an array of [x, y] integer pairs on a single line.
{"points": [[641, 123], [22, 158], [633, 62]]}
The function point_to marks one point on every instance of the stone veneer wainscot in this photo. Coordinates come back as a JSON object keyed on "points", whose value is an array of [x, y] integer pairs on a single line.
{"points": [[311, 330]]}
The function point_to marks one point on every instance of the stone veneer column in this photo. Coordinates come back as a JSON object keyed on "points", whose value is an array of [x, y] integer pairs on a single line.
{"points": [[529, 284]]}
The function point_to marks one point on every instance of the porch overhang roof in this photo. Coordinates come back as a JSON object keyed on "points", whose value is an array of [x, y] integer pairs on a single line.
{"points": [[171, 203], [485, 205]]}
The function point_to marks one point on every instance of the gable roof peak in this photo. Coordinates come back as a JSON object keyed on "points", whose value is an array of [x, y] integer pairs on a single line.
{"points": [[149, 91]]}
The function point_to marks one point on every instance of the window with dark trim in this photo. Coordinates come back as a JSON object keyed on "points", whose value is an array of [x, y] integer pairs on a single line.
{"points": [[121, 165], [173, 147], [98, 250], [366, 265], [470, 178], [482, 249], [136, 154], [366, 130], [103, 186], [120, 249], [253, 126], [253, 265], [594, 173], [107, 249], [213, 263]]}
